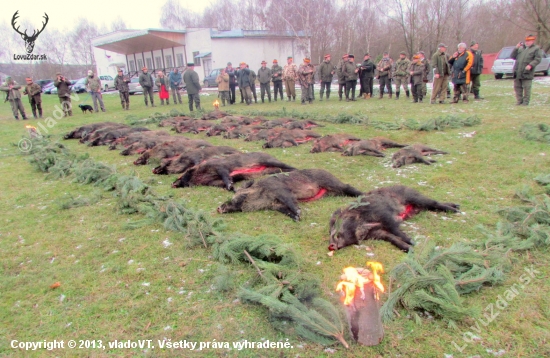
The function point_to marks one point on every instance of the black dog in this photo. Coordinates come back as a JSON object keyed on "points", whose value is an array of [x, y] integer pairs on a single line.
{"points": [[86, 107]]}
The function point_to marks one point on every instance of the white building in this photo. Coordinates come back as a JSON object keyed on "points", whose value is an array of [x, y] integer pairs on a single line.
{"points": [[160, 49]]}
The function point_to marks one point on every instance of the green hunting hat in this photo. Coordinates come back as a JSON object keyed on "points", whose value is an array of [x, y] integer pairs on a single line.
{"points": [[473, 43]]}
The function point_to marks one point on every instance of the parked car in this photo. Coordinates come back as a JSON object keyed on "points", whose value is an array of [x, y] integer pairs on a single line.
{"points": [[135, 87], [79, 86], [504, 65], [107, 82], [44, 83], [210, 80], [48, 88]]}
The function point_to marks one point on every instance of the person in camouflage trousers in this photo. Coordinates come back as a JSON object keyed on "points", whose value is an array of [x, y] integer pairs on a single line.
{"points": [[306, 73], [277, 79], [384, 68], [34, 91], [290, 75], [350, 71], [402, 74], [476, 70], [341, 75], [121, 85], [527, 57], [416, 71], [14, 96], [253, 84], [326, 71]]}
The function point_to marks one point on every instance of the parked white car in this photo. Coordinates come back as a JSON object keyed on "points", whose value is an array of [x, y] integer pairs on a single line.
{"points": [[504, 65], [107, 82]]}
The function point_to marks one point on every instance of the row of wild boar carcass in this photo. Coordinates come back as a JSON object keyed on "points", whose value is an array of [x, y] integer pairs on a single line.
{"points": [[377, 214]]}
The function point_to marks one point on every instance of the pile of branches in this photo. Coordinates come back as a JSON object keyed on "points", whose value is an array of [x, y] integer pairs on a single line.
{"points": [[432, 124], [536, 132], [155, 118], [340, 118]]}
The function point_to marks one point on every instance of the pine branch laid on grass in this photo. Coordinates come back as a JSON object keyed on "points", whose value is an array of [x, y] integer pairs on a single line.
{"points": [[536, 132]]}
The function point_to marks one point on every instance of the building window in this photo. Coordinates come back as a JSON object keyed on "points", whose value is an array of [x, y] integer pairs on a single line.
{"points": [[197, 59], [149, 63], [140, 64], [179, 59], [158, 62], [169, 61], [132, 65]]}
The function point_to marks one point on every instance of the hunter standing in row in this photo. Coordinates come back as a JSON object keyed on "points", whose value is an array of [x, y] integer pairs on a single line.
{"points": [[121, 85], [34, 91], [264, 76], [416, 71], [277, 79], [350, 72], [146, 82], [193, 85], [14, 96], [477, 69], [527, 57], [326, 72], [290, 76], [243, 79], [341, 75], [94, 87], [402, 74], [232, 82], [64, 93], [384, 74], [366, 75], [223, 86], [442, 70], [461, 62], [175, 83], [306, 72]]}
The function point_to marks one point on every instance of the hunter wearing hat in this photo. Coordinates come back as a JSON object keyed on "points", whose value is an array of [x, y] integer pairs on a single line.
{"points": [[340, 74], [366, 76], [14, 96], [416, 71], [290, 75], [350, 71], [146, 82], [306, 74], [121, 85], [193, 85], [232, 82], [94, 87], [476, 70], [427, 69], [442, 70], [243, 79], [264, 76], [277, 79], [402, 74], [527, 57], [64, 93], [34, 91], [326, 71], [384, 74]]}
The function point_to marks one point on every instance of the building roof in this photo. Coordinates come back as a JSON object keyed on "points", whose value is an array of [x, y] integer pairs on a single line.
{"points": [[214, 33], [135, 41]]}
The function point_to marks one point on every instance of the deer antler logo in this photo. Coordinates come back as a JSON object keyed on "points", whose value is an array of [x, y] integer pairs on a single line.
{"points": [[29, 40]]}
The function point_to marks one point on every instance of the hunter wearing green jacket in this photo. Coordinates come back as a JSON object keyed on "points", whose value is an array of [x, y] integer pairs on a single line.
{"points": [[401, 74], [527, 57], [326, 71]]}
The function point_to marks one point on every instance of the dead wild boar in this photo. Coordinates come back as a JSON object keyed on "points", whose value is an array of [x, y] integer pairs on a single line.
{"points": [[363, 147], [414, 154], [264, 134], [385, 143], [193, 126], [217, 114], [189, 159], [377, 216], [170, 149], [282, 192], [137, 137], [242, 131], [173, 122], [218, 129], [333, 143], [290, 138], [90, 128], [107, 136], [307, 124], [144, 143], [223, 172], [279, 122]]}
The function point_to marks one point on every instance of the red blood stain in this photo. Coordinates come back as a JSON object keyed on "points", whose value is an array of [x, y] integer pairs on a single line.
{"points": [[409, 211], [255, 169], [319, 195]]}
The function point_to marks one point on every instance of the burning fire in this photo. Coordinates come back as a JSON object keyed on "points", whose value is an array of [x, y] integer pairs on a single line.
{"points": [[216, 104], [354, 278], [30, 127], [33, 133]]}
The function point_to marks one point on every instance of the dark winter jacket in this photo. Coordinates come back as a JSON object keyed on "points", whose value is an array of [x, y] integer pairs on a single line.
{"points": [[477, 67], [526, 56], [264, 75], [326, 70], [461, 67], [440, 63], [367, 69], [191, 80], [146, 80], [243, 77]]}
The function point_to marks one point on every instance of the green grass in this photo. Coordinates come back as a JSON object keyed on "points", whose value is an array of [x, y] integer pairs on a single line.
{"points": [[119, 284]]}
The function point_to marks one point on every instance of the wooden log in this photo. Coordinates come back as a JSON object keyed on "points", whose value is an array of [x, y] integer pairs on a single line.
{"points": [[364, 318]]}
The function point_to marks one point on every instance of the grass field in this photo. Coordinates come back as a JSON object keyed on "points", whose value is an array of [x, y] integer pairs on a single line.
{"points": [[119, 284]]}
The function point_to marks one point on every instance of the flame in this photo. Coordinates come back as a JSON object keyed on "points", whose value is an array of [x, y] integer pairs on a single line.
{"points": [[353, 278], [216, 104], [30, 127]]}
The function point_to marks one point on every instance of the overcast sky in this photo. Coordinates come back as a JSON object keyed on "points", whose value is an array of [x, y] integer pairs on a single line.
{"points": [[137, 14]]}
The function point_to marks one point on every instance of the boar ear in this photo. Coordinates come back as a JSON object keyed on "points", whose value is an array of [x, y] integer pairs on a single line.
{"points": [[247, 184]]}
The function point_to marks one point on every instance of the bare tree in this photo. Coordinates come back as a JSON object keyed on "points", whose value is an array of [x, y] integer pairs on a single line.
{"points": [[118, 24], [80, 42], [174, 16]]}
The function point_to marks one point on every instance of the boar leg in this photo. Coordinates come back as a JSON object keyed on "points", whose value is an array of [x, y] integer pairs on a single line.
{"points": [[393, 239], [225, 176], [431, 151], [425, 203], [386, 143], [286, 204]]}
